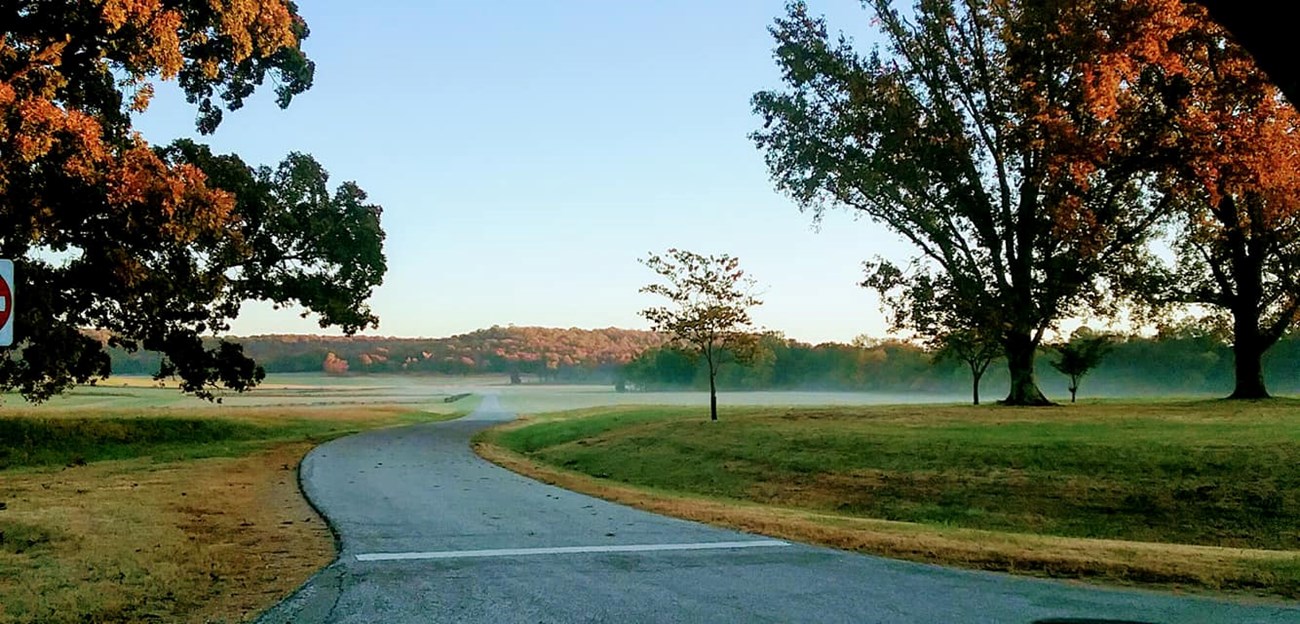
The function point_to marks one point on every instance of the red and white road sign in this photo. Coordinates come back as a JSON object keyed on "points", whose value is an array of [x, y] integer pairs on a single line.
{"points": [[6, 302]]}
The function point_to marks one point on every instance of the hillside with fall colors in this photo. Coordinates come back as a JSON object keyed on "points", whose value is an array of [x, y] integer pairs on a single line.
{"points": [[549, 353]]}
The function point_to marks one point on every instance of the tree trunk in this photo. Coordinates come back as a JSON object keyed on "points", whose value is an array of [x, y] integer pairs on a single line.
{"points": [[713, 396], [975, 385], [1248, 340], [1074, 390], [1248, 343], [1020, 363], [1248, 356]]}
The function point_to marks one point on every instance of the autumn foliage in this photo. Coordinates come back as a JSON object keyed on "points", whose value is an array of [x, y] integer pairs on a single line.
{"points": [[66, 99], [1033, 151], [547, 353], [1237, 180], [334, 365], [159, 247], [1228, 159]]}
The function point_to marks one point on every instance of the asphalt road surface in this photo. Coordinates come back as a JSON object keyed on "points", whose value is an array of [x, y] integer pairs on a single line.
{"points": [[432, 533]]}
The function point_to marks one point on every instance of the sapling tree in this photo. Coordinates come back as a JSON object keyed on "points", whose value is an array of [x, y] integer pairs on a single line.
{"points": [[972, 347], [707, 314], [1079, 356]]}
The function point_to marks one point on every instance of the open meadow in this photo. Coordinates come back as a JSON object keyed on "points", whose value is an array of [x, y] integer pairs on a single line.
{"points": [[128, 502]]}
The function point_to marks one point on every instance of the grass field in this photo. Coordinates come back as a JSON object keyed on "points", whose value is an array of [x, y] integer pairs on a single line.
{"points": [[134, 504], [1197, 493], [303, 389]]}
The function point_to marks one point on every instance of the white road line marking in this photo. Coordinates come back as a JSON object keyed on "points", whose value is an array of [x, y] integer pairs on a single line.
{"points": [[566, 550]]}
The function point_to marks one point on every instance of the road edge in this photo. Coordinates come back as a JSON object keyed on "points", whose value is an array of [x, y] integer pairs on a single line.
{"points": [[324, 587], [320, 588], [1122, 565]]}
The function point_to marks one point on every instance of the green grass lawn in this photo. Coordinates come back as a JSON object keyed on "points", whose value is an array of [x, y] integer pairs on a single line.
{"points": [[61, 435], [1211, 473], [78, 439]]}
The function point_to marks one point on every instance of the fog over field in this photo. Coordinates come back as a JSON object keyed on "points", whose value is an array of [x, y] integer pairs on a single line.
{"points": [[540, 399], [429, 392]]}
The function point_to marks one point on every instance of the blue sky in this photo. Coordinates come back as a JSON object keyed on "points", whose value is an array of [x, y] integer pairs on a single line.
{"points": [[527, 153]]}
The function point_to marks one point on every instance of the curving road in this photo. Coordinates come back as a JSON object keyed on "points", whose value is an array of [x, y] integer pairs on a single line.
{"points": [[431, 533]]}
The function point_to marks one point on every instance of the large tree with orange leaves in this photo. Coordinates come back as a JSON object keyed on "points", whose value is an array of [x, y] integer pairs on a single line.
{"points": [[970, 135], [1230, 160], [111, 234], [1234, 171]]}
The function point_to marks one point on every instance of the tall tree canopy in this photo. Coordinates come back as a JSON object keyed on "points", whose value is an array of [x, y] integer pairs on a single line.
{"points": [[971, 135], [298, 242], [1237, 179], [1266, 32], [1230, 163], [156, 247]]}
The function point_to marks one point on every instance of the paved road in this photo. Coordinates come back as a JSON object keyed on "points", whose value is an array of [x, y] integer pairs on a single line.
{"points": [[431, 533]]}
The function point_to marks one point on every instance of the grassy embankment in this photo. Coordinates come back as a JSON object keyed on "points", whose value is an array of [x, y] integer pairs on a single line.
{"points": [[144, 514], [1202, 494]]}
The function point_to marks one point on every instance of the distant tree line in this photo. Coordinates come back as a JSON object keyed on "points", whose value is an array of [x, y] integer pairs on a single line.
{"points": [[1177, 361]]}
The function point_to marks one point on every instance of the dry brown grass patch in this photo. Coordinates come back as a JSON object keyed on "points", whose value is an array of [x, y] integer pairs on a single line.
{"points": [[210, 540]]}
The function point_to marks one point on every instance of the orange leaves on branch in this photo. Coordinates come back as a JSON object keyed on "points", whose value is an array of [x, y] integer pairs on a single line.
{"points": [[255, 23], [42, 126], [118, 13], [48, 124], [251, 27], [1116, 41], [134, 178], [1225, 119], [141, 98], [186, 208], [156, 254], [157, 28]]}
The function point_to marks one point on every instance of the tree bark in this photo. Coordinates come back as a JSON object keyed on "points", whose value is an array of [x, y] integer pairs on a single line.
{"points": [[975, 385], [713, 395], [1248, 356], [1020, 350], [1248, 340]]}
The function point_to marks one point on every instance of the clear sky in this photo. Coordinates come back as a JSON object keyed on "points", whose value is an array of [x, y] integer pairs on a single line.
{"points": [[527, 153]]}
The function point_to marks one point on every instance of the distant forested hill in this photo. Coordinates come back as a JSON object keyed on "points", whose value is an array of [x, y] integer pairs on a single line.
{"points": [[550, 353]]}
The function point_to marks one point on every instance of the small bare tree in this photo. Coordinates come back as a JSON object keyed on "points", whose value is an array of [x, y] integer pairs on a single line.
{"points": [[708, 311]]}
